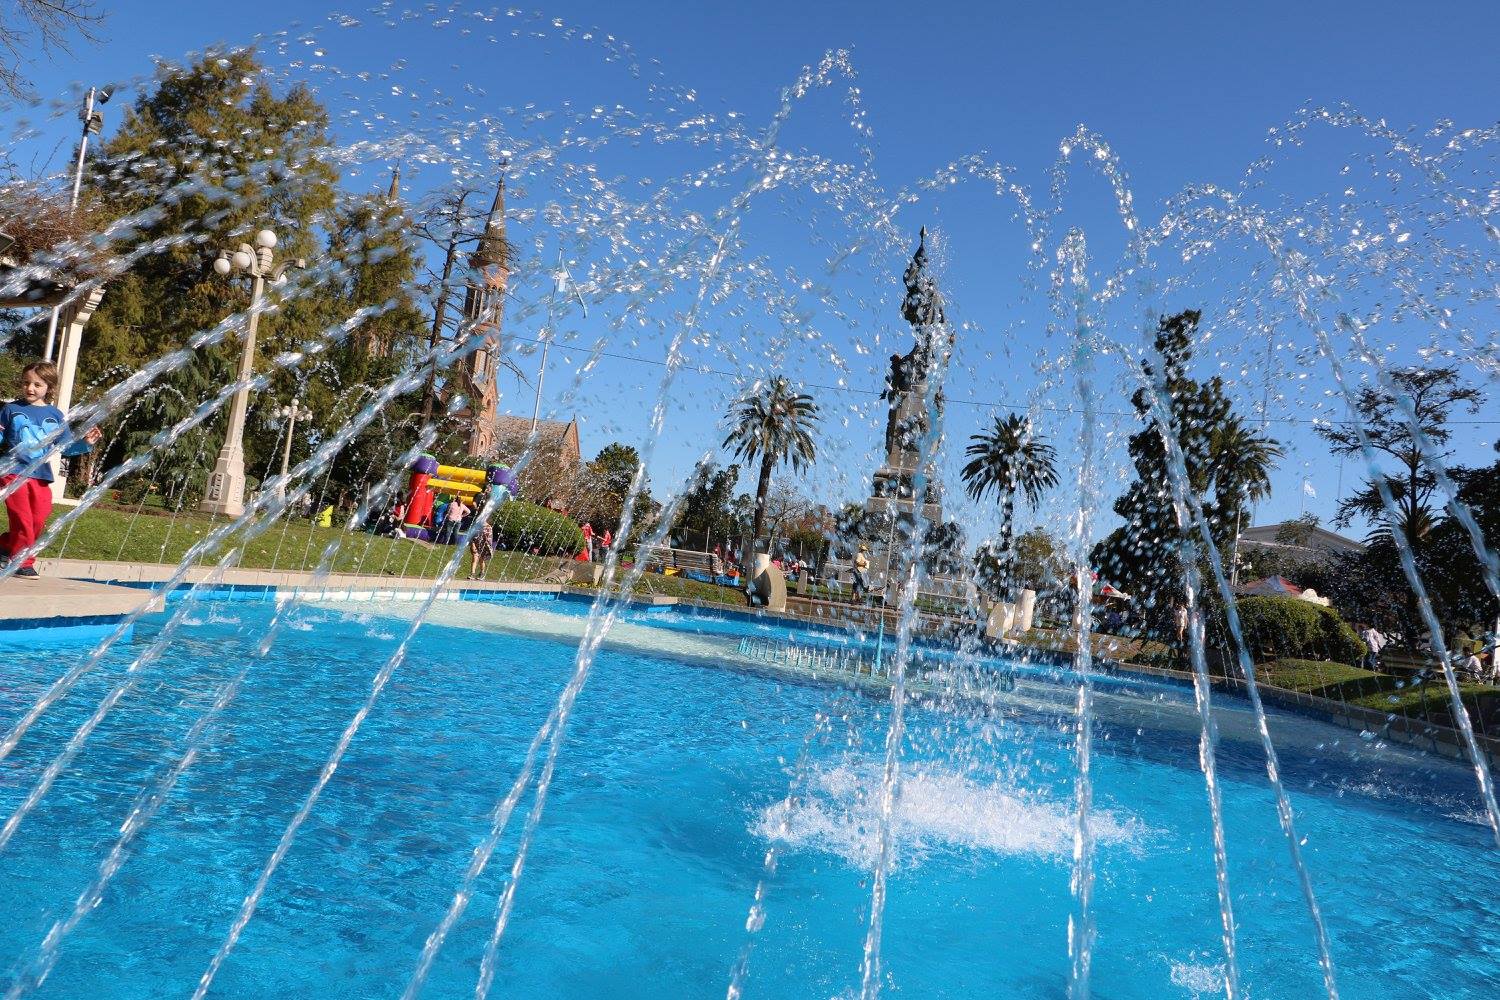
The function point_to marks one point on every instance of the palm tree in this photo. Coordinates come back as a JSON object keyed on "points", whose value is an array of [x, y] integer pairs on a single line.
{"points": [[1011, 458], [1240, 462], [774, 424]]}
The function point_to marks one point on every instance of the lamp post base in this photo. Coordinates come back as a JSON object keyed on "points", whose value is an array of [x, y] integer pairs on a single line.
{"points": [[226, 485]]}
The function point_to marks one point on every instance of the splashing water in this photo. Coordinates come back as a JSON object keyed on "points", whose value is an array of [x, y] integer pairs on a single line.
{"points": [[661, 208]]}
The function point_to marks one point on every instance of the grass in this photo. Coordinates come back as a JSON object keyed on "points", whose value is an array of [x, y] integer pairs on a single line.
{"points": [[154, 536], [1429, 699], [1105, 646], [1311, 676], [1380, 692]]}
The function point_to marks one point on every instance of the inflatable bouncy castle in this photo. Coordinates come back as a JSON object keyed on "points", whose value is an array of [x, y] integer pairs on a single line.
{"points": [[428, 479]]}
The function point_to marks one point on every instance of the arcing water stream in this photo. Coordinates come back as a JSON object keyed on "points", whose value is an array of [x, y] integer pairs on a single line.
{"points": [[674, 270]]}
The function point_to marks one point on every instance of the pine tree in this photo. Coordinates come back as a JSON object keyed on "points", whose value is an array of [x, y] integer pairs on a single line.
{"points": [[375, 266], [1228, 467], [208, 157]]}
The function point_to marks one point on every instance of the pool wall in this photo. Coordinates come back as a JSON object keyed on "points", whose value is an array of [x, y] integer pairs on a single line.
{"points": [[256, 585]]}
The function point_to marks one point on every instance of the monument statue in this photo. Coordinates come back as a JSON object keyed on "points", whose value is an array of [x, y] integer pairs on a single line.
{"points": [[906, 394]]}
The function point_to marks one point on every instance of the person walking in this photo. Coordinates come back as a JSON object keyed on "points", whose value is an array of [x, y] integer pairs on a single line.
{"points": [[31, 432], [481, 550], [861, 567], [1374, 642]]}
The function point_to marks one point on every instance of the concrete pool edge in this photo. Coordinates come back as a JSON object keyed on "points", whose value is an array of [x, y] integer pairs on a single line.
{"points": [[119, 586]]}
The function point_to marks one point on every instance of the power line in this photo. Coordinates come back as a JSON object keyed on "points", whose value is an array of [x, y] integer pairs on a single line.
{"points": [[984, 404]]}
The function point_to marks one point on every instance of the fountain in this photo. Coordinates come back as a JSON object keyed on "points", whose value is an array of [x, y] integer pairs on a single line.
{"points": [[254, 784]]}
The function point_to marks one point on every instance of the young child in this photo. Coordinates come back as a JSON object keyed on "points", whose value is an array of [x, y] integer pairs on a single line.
{"points": [[25, 423]]}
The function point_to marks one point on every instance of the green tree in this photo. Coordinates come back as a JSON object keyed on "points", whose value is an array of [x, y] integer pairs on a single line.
{"points": [[1040, 563], [707, 508], [214, 154], [606, 485], [1228, 467], [774, 424], [1008, 459], [1433, 395], [376, 264], [1451, 568]]}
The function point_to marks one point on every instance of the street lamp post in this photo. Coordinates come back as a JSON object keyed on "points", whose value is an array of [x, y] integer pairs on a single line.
{"points": [[291, 414], [226, 485], [93, 124]]}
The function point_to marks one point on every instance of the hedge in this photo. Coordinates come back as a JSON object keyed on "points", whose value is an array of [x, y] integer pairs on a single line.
{"points": [[524, 526], [1282, 627]]}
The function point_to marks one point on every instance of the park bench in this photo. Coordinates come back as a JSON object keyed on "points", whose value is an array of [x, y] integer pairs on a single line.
{"points": [[662, 558]]}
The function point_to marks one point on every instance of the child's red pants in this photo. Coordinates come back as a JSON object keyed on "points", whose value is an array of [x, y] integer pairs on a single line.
{"points": [[29, 507]]}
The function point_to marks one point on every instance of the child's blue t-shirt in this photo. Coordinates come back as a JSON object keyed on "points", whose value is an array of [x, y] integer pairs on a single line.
{"points": [[23, 428]]}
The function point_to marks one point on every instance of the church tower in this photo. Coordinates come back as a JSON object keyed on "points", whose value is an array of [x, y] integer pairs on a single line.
{"points": [[484, 308]]}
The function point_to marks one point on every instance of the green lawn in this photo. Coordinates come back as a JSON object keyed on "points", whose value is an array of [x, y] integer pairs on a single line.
{"points": [[1367, 689], [1310, 675], [152, 535], [1429, 699], [155, 536]]}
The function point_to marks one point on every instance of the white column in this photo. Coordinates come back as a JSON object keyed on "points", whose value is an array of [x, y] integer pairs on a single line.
{"points": [[76, 318], [226, 484]]}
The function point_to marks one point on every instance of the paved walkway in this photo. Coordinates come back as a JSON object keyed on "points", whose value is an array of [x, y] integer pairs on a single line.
{"points": [[53, 600], [128, 572], [70, 593]]}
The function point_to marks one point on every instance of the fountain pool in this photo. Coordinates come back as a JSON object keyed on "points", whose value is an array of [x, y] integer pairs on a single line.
{"points": [[664, 806]]}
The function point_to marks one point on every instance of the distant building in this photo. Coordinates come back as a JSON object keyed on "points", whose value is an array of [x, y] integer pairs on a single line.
{"points": [[1299, 540], [554, 463], [512, 432], [484, 308]]}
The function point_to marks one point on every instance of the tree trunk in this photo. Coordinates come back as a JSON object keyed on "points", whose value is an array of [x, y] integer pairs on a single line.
{"points": [[761, 490], [1007, 545], [1410, 529], [438, 313]]}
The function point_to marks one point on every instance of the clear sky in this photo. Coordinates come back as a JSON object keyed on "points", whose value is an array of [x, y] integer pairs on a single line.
{"points": [[1184, 93]]}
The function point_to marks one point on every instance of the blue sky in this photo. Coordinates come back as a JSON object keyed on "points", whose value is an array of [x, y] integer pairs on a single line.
{"points": [[1184, 93]]}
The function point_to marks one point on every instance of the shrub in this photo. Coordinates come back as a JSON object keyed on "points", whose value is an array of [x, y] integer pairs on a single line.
{"points": [[525, 526], [134, 490], [1279, 627]]}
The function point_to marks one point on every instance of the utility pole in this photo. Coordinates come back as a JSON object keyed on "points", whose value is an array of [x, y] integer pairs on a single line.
{"points": [[93, 124], [562, 272]]}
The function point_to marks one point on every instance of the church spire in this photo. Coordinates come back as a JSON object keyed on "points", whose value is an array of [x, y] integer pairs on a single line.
{"points": [[394, 194], [493, 250]]}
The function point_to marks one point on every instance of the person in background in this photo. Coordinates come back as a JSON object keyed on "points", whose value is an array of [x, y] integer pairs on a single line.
{"points": [[26, 424], [588, 541], [1374, 642], [481, 550], [1469, 663], [861, 567], [454, 522], [608, 539]]}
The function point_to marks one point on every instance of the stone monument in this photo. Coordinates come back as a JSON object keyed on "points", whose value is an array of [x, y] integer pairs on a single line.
{"points": [[890, 512]]}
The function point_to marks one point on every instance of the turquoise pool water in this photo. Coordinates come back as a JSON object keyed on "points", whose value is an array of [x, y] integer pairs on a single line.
{"points": [[670, 787]]}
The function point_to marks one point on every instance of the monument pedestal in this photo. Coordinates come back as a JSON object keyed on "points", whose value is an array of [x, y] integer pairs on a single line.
{"points": [[226, 484]]}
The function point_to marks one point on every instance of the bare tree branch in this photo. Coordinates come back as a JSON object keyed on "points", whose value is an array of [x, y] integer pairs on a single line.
{"points": [[32, 27]]}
